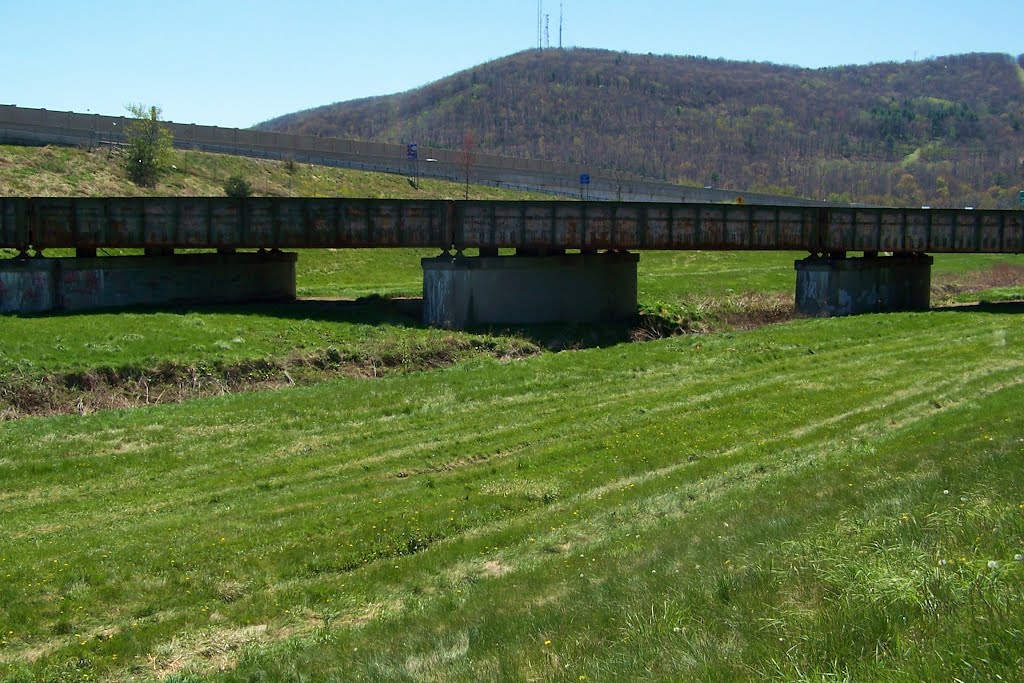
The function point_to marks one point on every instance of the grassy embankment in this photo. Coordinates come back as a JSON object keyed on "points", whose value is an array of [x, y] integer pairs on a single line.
{"points": [[73, 172]]}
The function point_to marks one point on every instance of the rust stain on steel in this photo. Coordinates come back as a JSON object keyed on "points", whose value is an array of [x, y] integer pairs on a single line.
{"points": [[13, 226], [294, 223]]}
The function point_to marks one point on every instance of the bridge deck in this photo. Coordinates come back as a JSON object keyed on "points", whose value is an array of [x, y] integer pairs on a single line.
{"points": [[286, 223]]}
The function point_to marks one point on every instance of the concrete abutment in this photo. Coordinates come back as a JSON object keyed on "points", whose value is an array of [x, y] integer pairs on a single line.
{"points": [[837, 285], [81, 283], [461, 291], [458, 291]]}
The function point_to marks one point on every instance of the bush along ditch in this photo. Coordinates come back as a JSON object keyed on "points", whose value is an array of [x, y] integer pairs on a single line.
{"points": [[107, 388], [27, 391]]}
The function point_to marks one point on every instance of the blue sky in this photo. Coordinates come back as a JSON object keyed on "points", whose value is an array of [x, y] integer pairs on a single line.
{"points": [[239, 63]]}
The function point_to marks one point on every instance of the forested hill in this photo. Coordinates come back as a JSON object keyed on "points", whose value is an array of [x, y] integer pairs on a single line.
{"points": [[944, 132]]}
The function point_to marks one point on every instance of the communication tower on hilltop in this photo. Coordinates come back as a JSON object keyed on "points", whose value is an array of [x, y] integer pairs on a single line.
{"points": [[540, 18], [561, 21]]}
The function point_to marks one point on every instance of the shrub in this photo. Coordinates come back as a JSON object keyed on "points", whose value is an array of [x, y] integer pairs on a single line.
{"points": [[149, 146], [237, 186]]}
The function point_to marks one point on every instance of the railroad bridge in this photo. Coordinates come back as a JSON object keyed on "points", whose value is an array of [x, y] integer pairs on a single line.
{"points": [[532, 261]]}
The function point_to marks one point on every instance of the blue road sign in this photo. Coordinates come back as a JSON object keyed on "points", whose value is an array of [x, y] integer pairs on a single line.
{"points": [[584, 179], [412, 151]]}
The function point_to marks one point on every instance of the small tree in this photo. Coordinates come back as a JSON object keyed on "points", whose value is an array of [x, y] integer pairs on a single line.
{"points": [[237, 186], [149, 146], [467, 157]]}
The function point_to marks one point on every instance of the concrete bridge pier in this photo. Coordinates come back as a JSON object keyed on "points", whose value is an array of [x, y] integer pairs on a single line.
{"points": [[86, 282], [460, 291], [835, 285]]}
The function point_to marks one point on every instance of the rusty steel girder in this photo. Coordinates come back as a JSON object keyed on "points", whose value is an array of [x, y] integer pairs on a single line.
{"points": [[296, 223], [221, 222]]}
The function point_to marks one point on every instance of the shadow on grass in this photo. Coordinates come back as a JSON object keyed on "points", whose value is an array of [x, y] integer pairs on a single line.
{"points": [[370, 310], [998, 307], [567, 336], [404, 312], [408, 312]]}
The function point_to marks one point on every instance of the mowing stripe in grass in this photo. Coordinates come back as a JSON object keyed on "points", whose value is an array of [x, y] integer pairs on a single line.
{"points": [[303, 505]]}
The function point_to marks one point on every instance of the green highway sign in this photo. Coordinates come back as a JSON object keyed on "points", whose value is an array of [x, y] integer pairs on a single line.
{"points": [[1022, 196]]}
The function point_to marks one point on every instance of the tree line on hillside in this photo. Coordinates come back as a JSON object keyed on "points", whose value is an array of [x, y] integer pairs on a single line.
{"points": [[944, 131]]}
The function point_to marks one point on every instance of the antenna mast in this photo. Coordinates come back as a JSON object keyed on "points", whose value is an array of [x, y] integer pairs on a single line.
{"points": [[547, 34], [540, 15], [561, 18]]}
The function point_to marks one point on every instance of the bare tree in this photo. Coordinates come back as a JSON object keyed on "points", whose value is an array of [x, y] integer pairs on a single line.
{"points": [[467, 157]]}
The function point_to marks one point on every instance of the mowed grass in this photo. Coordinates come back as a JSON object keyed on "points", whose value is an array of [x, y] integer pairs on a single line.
{"points": [[664, 276], [696, 283], [823, 500], [210, 336], [86, 362]]}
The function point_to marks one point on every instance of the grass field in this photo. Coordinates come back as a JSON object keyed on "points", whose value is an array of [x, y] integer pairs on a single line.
{"points": [[664, 276], [155, 352], [827, 499], [351, 496], [83, 362]]}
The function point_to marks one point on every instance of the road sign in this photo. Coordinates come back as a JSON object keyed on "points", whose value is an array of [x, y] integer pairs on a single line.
{"points": [[585, 179], [412, 152], [1022, 196]]}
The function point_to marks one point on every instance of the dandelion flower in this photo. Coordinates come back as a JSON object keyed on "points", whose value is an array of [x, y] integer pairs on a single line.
{"points": [[992, 564]]}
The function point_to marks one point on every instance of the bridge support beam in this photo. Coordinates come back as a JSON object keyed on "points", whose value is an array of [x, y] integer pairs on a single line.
{"points": [[84, 283], [460, 292], [837, 285]]}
